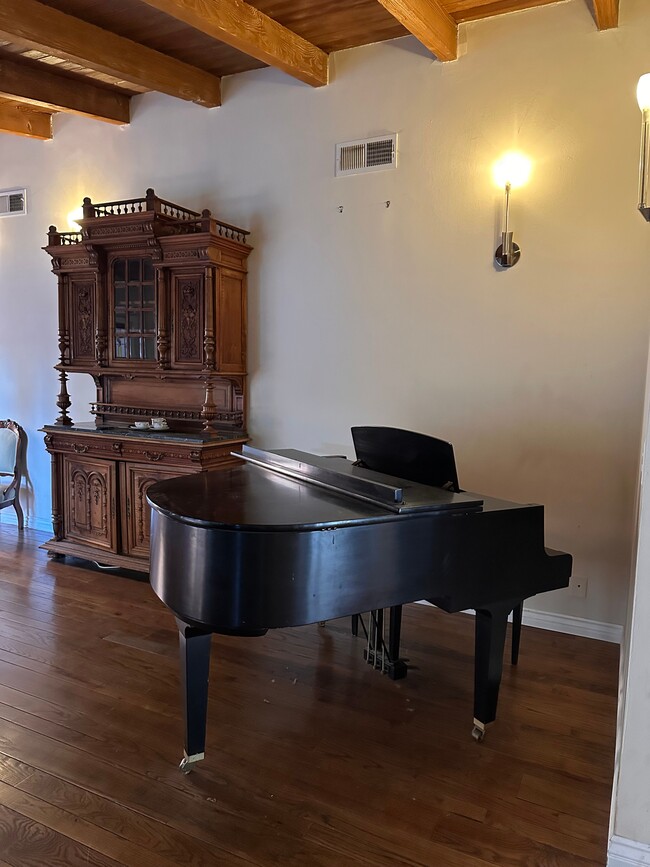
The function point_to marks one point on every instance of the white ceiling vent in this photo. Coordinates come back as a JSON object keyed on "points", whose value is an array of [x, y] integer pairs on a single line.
{"points": [[366, 155], [13, 203]]}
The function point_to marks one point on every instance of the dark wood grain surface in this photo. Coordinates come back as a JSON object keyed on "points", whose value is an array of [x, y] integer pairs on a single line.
{"points": [[313, 758]]}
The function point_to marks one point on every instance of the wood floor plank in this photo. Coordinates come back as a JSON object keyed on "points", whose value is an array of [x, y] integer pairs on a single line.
{"points": [[312, 758], [30, 844], [160, 839]]}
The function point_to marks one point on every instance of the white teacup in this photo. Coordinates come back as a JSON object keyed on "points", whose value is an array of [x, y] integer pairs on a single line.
{"points": [[141, 424], [159, 423]]}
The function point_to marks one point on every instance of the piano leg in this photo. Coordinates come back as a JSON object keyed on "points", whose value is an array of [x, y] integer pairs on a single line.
{"points": [[194, 647], [491, 626]]}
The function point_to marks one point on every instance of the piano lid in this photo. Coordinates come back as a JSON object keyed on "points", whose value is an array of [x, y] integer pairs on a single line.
{"points": [[338, 474]]}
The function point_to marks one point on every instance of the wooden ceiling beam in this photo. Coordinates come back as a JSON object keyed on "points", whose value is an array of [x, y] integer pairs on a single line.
{"points": [[33, 25], [243, 27], [606, 13], [21, 119], [428, 22], [45, 89], [474, 10]]}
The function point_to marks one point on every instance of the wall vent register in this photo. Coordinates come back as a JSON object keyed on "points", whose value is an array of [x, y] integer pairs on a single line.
{"points": [[366, 155], [13, 203]]}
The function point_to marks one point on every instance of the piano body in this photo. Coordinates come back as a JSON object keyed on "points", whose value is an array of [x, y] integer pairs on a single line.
{"points": [[288, 539]]}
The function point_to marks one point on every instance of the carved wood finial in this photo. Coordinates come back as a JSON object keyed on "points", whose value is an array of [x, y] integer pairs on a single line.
{"points": [[64, 401], [209, 409]]}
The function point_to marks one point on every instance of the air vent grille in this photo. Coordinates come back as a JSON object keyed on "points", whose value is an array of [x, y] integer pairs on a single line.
{"points": [[366, 155], [13, 203]]}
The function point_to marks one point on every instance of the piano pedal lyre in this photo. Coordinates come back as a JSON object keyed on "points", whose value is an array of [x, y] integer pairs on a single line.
{"points": [[381, 654]]}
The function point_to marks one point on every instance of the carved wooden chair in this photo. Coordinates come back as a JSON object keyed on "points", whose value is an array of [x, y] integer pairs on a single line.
{"points": [[418, 458], [12, 450]]}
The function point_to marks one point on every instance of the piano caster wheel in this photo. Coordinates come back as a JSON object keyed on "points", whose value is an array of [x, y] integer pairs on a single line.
{"points": [[187, 762], [478, 732]]}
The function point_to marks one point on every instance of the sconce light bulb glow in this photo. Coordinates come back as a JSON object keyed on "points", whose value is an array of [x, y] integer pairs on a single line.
{"points": [[73, 219], [513, 168], [643, 92]]}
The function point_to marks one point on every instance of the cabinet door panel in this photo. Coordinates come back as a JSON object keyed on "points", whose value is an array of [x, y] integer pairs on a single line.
{"points": [[83, 320], [231, 322], [90, 502], [137, 481], [188, 320]]}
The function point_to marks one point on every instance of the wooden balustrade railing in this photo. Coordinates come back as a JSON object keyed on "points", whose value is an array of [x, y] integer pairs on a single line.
{"points": [[183, 220]]}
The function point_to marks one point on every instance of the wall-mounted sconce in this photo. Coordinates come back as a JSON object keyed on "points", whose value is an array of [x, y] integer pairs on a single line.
{"points": [[643, 98], [510, 172]]}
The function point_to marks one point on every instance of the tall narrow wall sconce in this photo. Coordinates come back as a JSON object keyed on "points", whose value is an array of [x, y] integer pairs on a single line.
{"points": [[643, 98], [510, 172]]}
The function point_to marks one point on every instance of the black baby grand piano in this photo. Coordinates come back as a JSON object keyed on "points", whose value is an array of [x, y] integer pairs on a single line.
{"points": [[289, 538]]}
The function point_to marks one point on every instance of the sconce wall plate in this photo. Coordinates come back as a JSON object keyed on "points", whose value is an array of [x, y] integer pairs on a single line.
{"points": [[507, 253]]}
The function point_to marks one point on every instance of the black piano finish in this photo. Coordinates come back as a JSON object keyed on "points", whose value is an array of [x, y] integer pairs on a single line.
{"points": [[247, 549]]}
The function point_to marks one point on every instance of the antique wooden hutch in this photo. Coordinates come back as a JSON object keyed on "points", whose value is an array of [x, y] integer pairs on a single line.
{"points": [[152, 304]]}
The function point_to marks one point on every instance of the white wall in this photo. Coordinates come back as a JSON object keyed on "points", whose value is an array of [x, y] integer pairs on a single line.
{"points": [[630, 817], [396, 315]]}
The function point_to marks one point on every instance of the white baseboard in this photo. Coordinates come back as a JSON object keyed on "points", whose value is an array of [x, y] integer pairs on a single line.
{"points": [[611, 632], [627, 853]]}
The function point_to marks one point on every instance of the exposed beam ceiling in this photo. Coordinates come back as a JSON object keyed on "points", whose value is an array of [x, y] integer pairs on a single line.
{"points": [[428, 21], [90, 57], [36, 85], [243, 27], [34, 25], [606, 13], [24, 120]]}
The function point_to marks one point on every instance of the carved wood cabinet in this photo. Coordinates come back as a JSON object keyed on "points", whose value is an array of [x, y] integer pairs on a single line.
{"points": [[152, 304]]}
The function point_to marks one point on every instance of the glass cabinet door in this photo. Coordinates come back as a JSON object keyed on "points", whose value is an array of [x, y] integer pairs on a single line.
{"points": [[134, 309]]}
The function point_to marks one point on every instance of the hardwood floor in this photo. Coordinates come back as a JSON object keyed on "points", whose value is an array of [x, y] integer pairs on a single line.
{"points": [[312, 758]]}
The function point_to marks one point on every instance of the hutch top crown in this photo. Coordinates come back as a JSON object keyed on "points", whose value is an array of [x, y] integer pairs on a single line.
{"points": [[152, 304]]}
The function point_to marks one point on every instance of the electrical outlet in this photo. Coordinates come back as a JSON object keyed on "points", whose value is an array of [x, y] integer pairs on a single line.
{"points": [[578, 587]]}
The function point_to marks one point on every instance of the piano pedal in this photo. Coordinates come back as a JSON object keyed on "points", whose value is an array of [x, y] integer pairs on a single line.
{"points": [[395, 669], [188, 762]]}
